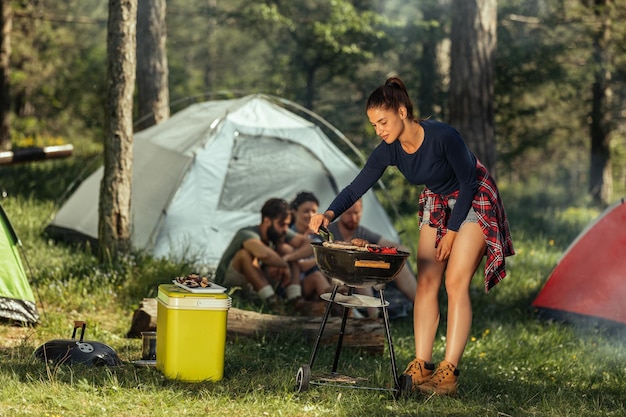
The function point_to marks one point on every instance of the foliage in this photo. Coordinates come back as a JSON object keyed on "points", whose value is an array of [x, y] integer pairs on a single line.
{"points": [[534, 100], [328, 56], [544, 80], [314, 42], [57, 71]]}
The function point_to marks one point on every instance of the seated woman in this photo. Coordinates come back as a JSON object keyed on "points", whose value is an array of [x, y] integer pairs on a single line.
{"points": [[313, 282]]}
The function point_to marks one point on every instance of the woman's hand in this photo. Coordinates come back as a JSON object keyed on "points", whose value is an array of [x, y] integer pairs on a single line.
{"points": [[318, 220], [445, 246]]}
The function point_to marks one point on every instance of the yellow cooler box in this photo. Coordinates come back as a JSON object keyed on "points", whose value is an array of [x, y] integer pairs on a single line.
{"points": [[191, 332]]}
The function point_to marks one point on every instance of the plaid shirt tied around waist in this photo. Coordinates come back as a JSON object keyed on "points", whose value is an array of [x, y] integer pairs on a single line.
{"points": [[491, 217]]}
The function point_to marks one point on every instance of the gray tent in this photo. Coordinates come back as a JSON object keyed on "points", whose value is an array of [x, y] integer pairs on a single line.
{"points": [[204, 173]]}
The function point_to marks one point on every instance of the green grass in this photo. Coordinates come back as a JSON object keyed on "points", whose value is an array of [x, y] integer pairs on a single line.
{"points": [[514, 365]]}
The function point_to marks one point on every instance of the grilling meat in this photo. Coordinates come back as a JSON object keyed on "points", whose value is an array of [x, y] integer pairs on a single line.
{"points": [[360, 242], [194, 281]]}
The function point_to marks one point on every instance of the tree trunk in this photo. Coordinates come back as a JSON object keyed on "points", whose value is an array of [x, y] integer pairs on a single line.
{"points": [[152, 71], [309, 96], [6, 22], [115, 188], [433, 71], [472, 60], [600, 178]]}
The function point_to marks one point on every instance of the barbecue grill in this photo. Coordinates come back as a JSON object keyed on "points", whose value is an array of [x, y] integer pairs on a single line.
{"points": [[354, 268], [72, 351]]}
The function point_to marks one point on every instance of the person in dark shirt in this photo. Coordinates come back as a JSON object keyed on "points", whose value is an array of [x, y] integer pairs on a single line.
{"points": [[262, 259], [462, 220]]}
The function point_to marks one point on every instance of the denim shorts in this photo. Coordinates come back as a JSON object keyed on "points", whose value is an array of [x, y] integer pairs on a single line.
{"points": [[428, 207]]}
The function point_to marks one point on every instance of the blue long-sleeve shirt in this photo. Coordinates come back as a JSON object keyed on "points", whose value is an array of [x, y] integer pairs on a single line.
{"points": [[443, 163]]}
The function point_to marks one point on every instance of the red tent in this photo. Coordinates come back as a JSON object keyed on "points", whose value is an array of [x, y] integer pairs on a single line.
{"points": [[589, 281]]}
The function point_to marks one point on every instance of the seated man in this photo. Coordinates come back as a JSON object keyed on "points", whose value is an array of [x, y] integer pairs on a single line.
{"points": [[348, 227], [262, 259]]}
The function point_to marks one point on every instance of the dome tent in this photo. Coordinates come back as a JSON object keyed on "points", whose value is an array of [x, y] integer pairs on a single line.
{"points": [[17, 302], [206, 172], [588, 283]]}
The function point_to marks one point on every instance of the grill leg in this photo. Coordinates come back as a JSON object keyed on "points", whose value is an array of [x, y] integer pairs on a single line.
{"points": [[392, 354], [344, 319], [321, 330]]}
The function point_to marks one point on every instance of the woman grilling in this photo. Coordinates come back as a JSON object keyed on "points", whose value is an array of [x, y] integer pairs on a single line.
{"points": [[462, 219]]}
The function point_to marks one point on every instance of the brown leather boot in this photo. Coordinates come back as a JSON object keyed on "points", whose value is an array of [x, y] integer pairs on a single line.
{"points": [[443, 381], [419, 371]]}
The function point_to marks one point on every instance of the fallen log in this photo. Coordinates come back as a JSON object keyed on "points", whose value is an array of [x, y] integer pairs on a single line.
{"points": [[35, 154], [144, 318], [368, 335]]}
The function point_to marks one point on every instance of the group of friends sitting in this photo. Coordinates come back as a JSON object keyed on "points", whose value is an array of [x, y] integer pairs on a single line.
{"points": [[273, 263]]}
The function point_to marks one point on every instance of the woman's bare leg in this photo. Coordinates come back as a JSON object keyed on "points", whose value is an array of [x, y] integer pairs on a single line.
{"points": [[426, 304], [467, 252]]}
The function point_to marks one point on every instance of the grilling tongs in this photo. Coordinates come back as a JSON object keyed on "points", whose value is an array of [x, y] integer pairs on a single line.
{"points": [[326, 235]]}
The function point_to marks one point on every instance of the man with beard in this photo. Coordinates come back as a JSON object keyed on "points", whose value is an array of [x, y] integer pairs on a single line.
{"points": [[262, 259]]}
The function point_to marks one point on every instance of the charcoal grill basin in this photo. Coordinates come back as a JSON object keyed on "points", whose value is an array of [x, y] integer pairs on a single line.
{"points": [[358, 268]]}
